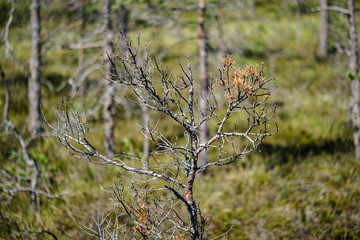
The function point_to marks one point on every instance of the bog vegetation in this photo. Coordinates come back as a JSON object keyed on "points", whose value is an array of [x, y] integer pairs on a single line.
{"points": [[302, 183]]}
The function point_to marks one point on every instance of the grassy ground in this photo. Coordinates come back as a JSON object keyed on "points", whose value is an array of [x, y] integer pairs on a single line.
{"points": [[304, 184]]}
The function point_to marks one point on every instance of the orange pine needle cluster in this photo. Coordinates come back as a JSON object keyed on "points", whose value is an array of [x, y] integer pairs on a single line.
{"points": [[240, 81], [142, 220], [180, 237]]}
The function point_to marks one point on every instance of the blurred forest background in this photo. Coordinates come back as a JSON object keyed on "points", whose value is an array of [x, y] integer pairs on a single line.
{"points": [[303, 183]]}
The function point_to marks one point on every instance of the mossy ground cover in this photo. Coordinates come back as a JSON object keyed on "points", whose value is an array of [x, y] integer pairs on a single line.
{"points": [[302, 184]]}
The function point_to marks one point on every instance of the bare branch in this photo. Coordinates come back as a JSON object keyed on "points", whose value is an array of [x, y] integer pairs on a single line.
{"points": [[174, 161], [332, 8]]}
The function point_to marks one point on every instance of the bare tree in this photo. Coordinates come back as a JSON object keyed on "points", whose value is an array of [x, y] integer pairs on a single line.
{"points": [[354, 69], [171, 210], [83, 17], [252, 5], [25, 179], [109, 103], [9, 48], [323, 37], [122, 21], [34, 91], [204, 81], [7, 95]]}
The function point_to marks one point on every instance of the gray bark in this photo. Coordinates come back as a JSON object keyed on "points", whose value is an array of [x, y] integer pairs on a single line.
{"points": [[252, 7], [204, 83], [146, 143], [121, 14], [82, 50], [323, 37], [221, 48], [7, 95], [109, 103], [122, 21], [34, 82], [355, 86]]}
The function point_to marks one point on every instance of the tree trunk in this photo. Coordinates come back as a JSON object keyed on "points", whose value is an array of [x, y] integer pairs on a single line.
{"points": [[204, 83], [322, 51], [121, 14], [122, 21], [146, 144], [252, 7], [34, 82], [82, 50], [220, 22], [109, 103], [7, 95], [355, 86], [221, 49]]}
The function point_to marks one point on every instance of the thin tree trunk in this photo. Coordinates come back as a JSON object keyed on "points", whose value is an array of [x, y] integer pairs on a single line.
{"points": [[323, 38], [82, 50], [301, 10], [204, 83], [146, 144], [7, 95], [122, 22], [221, 47], [355, 86], [220, 22], [34, 92], [109, 103], [252, 7]]}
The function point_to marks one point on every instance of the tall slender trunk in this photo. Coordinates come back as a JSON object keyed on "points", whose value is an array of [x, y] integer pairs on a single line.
{"points": [[109, 103], [355, 86], [7, 95], [252, 7], [122, 25], [146, 143], [34, 82], [301, 9], [82, 50], [221, 48], [323, 37], [204, 83], [220, 22], [122, 22]]}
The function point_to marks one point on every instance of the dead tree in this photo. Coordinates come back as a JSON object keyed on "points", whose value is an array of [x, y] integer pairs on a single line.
{"points": [[204, 81], [323, 36], [109, 103], [83, 17], [171, 210], [34, 92], [354, 69], [25, 179], [122, 21]]}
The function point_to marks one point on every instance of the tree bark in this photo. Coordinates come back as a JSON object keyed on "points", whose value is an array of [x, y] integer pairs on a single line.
{"points": [[109, 103], [7, 95], [82, 85], [252, 7], [34, 82], [323, 37], [146, 144], [204, 83], [122, 22], [221, 48], [355, 86]]}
